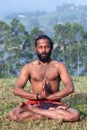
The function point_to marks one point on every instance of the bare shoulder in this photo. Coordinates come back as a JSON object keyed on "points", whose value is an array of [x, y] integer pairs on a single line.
{"points": [[29, 66], [58, 64], [35, 62], [61, 67], [63, 71]]}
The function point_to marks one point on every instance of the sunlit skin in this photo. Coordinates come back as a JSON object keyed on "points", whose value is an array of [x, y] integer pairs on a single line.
{"points": [[44, 75]]}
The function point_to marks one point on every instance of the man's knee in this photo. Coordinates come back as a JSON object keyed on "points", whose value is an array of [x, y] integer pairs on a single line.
{"points": [[75, 117]]}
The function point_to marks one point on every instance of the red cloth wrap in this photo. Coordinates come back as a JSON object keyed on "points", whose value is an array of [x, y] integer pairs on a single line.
{"points": [[38, 102]]}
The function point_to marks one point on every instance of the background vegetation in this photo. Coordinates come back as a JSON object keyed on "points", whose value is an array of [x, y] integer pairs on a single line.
{"points": [[62, 14], [67, 27], [17, 47]]}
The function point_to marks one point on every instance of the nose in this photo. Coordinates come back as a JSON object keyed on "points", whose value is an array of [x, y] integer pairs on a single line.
{"points": [[44, 49]]}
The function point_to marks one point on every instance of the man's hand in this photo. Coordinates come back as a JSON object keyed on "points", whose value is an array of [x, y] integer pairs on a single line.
{"points": [[43, 90], [46, 89]]}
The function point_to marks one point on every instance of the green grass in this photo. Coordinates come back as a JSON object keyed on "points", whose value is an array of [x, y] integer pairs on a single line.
{"points": [[8, 101]]}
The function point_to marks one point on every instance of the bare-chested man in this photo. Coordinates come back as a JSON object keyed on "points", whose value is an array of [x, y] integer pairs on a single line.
{"points": [[44, 75]]}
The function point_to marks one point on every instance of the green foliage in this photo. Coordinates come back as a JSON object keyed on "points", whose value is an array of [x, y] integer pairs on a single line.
{"points": [[17, 47], [35, 32], [69, 46]]}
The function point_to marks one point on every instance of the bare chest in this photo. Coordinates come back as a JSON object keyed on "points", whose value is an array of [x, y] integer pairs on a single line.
{"points": [[39, 73]]}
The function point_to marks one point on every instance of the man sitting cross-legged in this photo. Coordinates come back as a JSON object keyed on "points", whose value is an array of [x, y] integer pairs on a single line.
{"points": [[44, 75]]}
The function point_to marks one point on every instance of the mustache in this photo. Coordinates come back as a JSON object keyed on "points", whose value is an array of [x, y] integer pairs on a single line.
{"points": [[44, 53]]}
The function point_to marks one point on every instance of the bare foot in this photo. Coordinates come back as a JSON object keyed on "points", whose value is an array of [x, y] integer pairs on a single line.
{"points": [[22, 104]]}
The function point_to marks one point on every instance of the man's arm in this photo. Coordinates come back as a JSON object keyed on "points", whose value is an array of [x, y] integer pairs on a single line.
{"points": [[20, 84], [67, 82]]}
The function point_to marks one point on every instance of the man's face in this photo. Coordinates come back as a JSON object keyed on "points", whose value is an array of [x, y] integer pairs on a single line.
{"points": [[43, 49]]}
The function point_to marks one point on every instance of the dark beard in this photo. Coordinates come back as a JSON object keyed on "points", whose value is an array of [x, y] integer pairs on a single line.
{"points": [[44, 59]]}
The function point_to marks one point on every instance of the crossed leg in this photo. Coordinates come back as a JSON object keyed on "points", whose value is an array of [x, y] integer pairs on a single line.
{"points": [[20, 114], [30, 112]]}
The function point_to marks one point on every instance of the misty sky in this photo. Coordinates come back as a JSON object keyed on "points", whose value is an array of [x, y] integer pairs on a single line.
{"points": [[32, 5]]}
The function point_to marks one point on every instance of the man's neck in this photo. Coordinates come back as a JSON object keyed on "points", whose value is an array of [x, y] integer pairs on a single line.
{"points": [[44, 63]]}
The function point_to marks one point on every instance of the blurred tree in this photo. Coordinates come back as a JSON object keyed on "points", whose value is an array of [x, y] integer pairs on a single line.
{"points": [[68, 43], [35, 32], [17, 47], [4, 36]]}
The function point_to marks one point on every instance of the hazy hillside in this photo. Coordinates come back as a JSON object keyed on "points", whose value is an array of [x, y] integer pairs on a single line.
{"points": [[46, 21]]}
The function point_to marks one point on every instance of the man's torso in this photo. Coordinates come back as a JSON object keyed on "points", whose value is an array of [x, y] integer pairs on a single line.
{"points": [[49, 73]]}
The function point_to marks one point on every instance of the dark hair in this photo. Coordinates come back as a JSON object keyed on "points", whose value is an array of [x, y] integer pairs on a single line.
{"points": [[44, 37]]}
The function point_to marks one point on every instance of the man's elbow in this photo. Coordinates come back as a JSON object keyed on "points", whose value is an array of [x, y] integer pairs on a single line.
{"points": [[15, 91], [71, 89]]}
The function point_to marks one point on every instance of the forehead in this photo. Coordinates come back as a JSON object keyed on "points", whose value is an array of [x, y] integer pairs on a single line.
{"points": [[43, 42]]}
